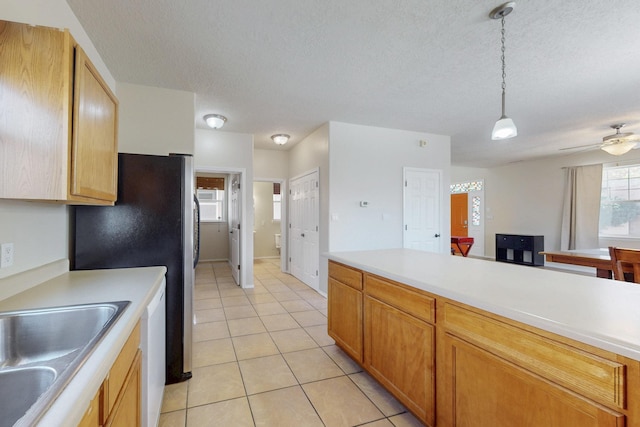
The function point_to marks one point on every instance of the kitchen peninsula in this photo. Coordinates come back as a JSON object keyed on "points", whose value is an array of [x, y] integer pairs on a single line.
{"points": [[465, 341]]}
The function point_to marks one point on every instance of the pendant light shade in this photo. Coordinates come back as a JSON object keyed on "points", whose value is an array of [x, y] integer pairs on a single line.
{"points": [[619, 143], [504, 128], [620, 148]]}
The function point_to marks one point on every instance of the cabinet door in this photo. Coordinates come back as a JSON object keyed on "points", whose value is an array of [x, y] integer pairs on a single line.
{"points": [[345, 318], [94, 152], [91, 418], [36, 66], [126, 411], [399, 352], [482, 389]]}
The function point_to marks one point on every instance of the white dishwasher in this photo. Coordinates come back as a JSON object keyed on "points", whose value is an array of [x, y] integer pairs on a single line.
{"points": [[152, 337]]}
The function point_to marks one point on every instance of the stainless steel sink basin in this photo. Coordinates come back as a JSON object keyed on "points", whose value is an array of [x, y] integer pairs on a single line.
{"points": [[19, 386], [41, 350]]}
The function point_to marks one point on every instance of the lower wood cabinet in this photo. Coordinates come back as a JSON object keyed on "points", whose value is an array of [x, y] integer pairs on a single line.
{"points": [[484, 390], [91, 417], [118, 402], [399, 353], [345, 322], [126, 411], [452, 364]]}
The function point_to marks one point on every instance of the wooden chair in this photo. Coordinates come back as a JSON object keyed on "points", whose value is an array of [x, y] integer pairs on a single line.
{"points": [[625, 260]]}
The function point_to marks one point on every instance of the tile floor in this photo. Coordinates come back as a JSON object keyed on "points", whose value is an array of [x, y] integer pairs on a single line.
{"points": [[262, 357]]}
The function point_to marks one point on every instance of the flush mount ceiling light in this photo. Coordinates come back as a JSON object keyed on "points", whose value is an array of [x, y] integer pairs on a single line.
{"points": [[215, 121], [619, 143], [280, 138], [504, 127]]}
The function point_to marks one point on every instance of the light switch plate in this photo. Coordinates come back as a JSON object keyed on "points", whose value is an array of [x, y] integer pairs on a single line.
{"points": [[6, 255]]}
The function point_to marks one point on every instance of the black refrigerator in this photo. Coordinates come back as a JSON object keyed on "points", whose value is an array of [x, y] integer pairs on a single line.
{"points": [[155, 221]]}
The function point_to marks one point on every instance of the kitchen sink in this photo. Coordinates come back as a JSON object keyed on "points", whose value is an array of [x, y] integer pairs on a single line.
{"points": [[41, 350], [19, 386]]}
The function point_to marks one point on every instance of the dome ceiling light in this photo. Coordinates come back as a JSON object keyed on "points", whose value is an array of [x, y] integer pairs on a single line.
{"points": [[215, 121], [280, 138]]}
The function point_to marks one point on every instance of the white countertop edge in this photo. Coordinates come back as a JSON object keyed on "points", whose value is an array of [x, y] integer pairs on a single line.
{"points": [[137, 285], [573, 331]]}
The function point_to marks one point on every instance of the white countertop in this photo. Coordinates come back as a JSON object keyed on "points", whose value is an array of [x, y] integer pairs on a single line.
{"points": [[600, 312], [137, 285]]}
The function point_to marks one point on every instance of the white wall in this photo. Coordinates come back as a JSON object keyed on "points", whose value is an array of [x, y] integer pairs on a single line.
{"points": [[270, 165], [219, 151], [39, 231], [155, 120], [367, 165], [527, 197]]}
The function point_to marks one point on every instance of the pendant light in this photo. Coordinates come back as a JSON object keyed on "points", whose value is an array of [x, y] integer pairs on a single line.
{"points": [[504, 127]]}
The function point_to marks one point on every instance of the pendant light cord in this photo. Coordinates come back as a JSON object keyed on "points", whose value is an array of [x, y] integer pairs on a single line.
{"points": [[504, 74]]}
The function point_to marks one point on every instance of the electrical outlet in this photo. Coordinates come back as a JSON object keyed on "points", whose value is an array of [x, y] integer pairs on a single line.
{"points": [[6, 255]]}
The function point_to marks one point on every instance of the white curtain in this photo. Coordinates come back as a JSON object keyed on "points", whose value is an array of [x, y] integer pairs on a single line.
{"points": [[581, 211]]}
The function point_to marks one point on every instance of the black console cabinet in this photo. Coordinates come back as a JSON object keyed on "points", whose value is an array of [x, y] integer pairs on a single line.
{"points": [[519, 249]]}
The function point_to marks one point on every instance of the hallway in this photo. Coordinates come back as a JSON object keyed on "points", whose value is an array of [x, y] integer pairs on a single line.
{"points": [[262, 357]]}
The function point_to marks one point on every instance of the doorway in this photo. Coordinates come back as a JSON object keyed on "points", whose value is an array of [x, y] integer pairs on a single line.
{"points": [[222, 238], [422, 209], [269, 233], [459, 217], [468, 213]]}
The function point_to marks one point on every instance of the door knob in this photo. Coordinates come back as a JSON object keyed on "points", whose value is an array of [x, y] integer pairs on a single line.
{"points": [[436, 235]]}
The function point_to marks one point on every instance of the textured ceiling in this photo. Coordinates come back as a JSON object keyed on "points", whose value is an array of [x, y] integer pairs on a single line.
{"points": [[288, 66]]}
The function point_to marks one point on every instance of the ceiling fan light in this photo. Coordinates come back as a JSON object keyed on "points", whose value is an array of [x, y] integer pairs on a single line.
{"points": [[504, 129], [619, 148], [215, 121]]}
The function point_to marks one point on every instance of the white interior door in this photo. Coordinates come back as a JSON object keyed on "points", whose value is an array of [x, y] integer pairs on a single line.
{"points": [[234, 227], [422, 200], [304, 228]]}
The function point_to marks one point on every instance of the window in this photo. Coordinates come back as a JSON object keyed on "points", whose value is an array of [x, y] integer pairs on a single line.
{"points": [[620, 202], [211, 205], [210, 194], [277, 202], [466, 187]]}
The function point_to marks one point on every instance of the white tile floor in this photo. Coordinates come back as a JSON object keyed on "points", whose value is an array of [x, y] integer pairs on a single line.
{"points": [[262, 357]]}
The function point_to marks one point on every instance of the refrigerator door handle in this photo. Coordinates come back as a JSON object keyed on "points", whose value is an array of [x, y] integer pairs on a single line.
{"points": [[196, 257]]}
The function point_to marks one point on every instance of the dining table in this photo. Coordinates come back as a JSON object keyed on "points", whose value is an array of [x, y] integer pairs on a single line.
{"points": [[597, 258]]}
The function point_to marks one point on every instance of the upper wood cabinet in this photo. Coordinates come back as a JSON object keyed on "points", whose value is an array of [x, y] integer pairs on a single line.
{"points": [[58, 120]]}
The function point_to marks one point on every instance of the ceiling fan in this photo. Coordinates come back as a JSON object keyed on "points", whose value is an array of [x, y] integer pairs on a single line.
{"points": [[617, 144]]}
